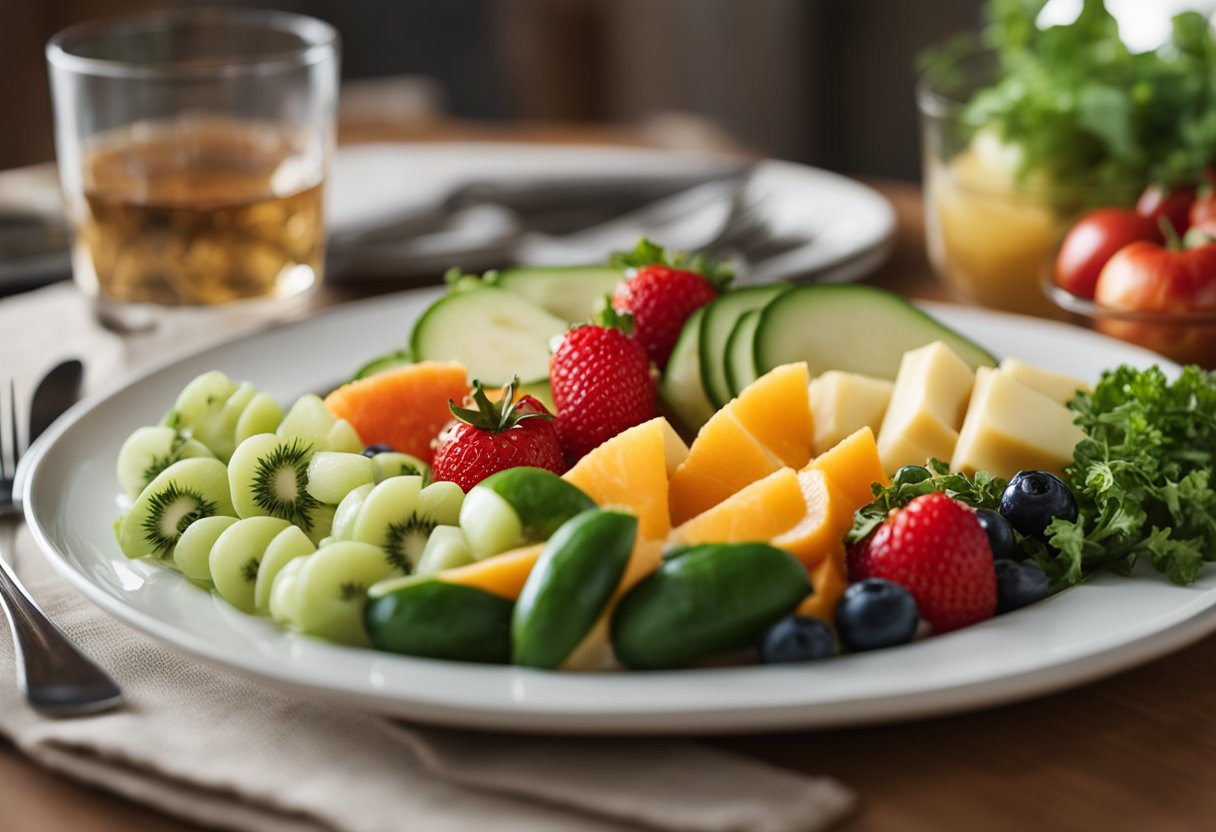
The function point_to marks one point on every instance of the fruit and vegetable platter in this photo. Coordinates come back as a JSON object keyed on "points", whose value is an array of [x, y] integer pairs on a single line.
{"points": [[636, 466]]}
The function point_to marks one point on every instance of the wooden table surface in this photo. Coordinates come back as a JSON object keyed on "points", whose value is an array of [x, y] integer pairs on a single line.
{"points": [[1135, 751]]}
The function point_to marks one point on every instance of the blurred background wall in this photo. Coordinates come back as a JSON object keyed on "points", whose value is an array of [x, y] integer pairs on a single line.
{"points": [[827, 82]]}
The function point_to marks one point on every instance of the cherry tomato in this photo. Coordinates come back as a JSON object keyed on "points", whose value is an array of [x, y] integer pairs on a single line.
{"points": [[1150, 277], [1173, 203], [1093, 241]]}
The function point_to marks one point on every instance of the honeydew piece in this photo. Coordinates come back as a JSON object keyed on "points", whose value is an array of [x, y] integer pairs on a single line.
{"points": [[843, 403], [1012, 427], [1055, 386], [927, 407]]}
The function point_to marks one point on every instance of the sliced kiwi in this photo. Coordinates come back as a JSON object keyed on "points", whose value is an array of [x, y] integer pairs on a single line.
{"points": [[308, 420], [193, 549], [397, 464], [269, 477], [330, 590], [236, 558], [333, 474], [150, 450], [262, 415], [343, 527], [289, 544], [399, 515], [187, 490], [210, 408]]}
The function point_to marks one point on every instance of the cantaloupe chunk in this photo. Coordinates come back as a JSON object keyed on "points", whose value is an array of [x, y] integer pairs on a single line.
{"points": [[853, 465], [776, 409], [760, 511], [404, 407], [723, 458], [828, 579], [631, 470], [503, 575], [828, 516]]}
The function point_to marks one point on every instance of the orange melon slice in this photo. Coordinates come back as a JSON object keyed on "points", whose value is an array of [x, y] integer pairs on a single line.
{"points": [[828, 579], [631, 470], [759, 511], [723, 458], [828, 515], [503, 575], [776, 409], [404, 407], [852, 466]]}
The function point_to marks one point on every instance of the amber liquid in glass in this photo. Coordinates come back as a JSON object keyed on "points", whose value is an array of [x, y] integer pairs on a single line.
{"points": [[198, 212]]}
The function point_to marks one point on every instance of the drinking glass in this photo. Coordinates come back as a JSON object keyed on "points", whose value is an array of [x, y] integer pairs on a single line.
{"points": [[193, 147]]}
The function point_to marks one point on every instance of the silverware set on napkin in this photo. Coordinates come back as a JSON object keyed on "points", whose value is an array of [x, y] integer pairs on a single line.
{"points": [[54, 676]]}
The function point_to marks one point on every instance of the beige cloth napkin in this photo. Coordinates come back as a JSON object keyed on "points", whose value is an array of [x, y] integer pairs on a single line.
{"points": [[226, 751]]}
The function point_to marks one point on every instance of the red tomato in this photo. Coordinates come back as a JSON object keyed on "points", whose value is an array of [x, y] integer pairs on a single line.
{"points": [[1203, 209], [1147, 276], [1092, 242], [1174, 204]]}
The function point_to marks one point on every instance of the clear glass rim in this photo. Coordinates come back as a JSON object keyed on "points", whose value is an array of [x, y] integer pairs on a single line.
{"points": [[318, 41]]}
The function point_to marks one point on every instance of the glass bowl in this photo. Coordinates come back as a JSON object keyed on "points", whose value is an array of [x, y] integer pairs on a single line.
{"points": [[990, 230], [1185, 337]]}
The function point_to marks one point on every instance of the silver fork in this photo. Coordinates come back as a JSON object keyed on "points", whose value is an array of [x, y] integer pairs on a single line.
{"points": [[53, 675]]}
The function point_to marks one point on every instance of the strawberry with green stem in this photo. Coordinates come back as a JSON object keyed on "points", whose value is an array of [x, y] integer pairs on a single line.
{"points": [[495, 435], [601, 382]]}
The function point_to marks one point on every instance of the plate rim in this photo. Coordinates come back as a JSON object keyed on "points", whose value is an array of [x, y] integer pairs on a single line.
{"points": [[1049, 677]]}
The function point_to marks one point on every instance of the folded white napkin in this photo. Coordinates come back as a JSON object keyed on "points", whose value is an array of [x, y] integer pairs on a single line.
{"points": [[226, 751]]}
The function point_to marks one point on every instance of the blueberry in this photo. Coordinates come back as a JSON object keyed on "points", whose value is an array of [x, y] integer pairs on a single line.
{"points": [[1000, 534], [1018, 584], [1033, 498], [379, 448], [797, 639], [876, 613]]}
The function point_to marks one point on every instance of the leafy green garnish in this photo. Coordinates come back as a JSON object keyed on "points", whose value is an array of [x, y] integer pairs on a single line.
{"points": [[1143, 479], [1084, 110], [912, 481], [648, 253]]}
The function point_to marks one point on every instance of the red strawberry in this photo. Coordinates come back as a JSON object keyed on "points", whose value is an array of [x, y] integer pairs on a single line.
{"points": [[661, 299], [496, 436], [936, 549], [601, 383], [857, 560]]}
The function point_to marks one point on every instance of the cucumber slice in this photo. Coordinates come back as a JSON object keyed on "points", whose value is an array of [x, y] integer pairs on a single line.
{"points": [[740, 360], [852, 328], [573, 580], [721, 315], [573, 293], [441, 621], [681, 390], [397, 358], [495, 333]]}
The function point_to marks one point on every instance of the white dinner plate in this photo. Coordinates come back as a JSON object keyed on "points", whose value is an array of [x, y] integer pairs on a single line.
{"points": [[1101, 627]]}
